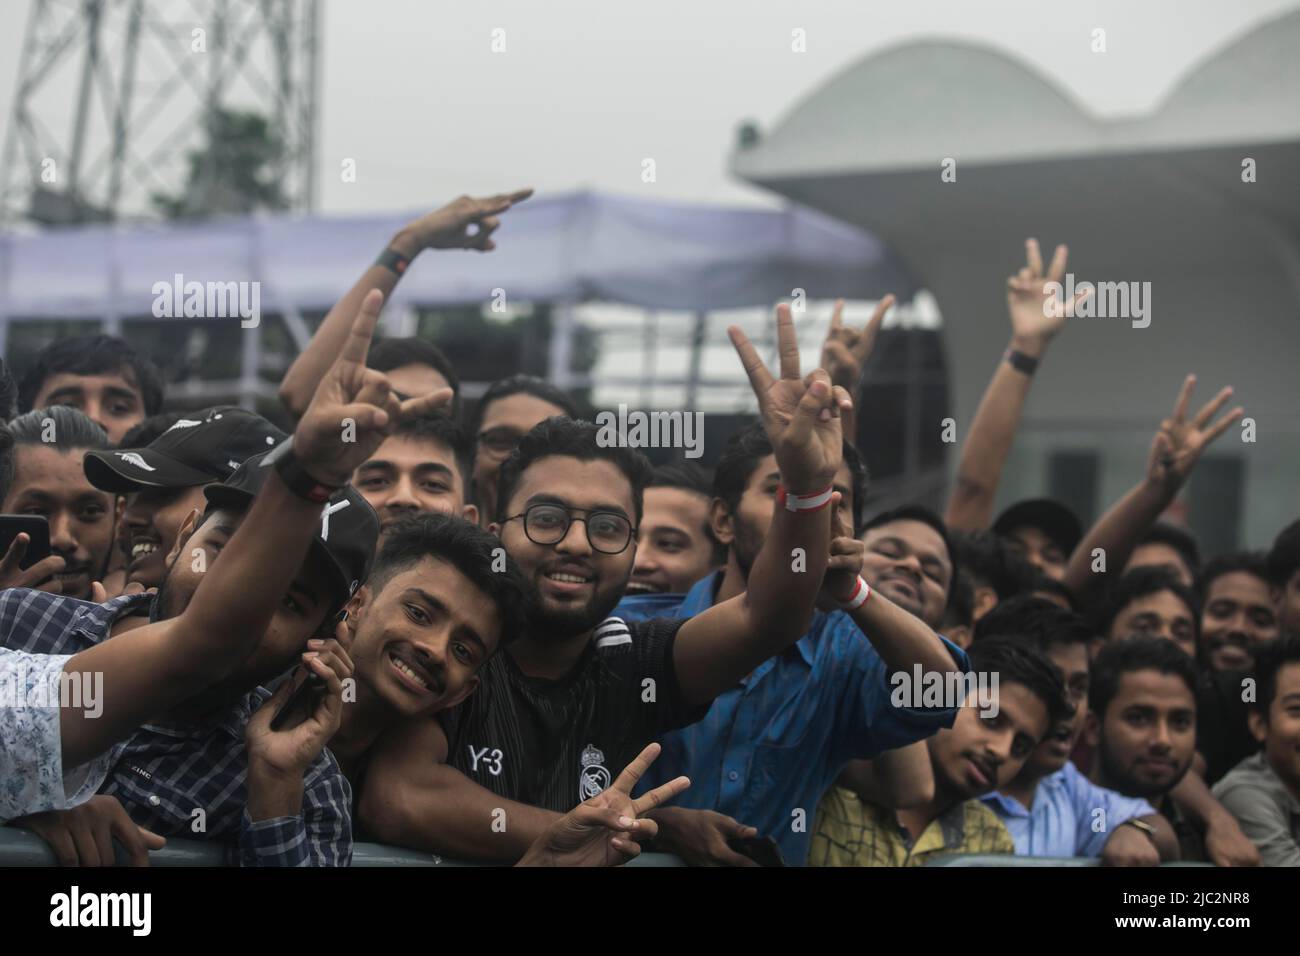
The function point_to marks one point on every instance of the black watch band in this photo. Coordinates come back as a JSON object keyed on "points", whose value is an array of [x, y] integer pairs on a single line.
{"points": [[296, 477], [1021, 362], [393, 261]]}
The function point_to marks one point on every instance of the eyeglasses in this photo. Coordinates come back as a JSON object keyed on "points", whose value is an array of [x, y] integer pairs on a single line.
{"points": [[607, 531], [500, 441]]}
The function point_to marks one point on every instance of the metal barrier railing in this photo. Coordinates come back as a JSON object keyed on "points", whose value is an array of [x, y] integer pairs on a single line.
{"points": [[20, 847], [1006, 859]]}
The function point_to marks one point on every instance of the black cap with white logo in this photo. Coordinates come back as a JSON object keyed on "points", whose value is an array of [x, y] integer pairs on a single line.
{"points": [[203, 446], [346, 536]]}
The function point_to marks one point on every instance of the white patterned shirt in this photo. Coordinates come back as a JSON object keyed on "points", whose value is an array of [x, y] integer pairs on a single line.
{"points": [[32, 776]]}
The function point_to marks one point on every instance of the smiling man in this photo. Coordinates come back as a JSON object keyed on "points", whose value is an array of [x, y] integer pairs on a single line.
{"points": [[675, 546], [982, 751], [438, 605], [421, 467], [580, 692], [49, 482], [1238, 613], [165, 479]]}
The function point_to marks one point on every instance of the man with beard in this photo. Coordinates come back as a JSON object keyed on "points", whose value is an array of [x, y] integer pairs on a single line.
{"points": [[213, 766], [48, 481], [756, 768], [1142, 724], [1284, 572], [1050, 808], [506, 413], [579, 693], [985, 748], [165, 479]]}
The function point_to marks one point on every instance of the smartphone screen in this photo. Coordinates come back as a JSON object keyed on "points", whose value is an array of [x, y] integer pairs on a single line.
{"points": [[37, 530]]}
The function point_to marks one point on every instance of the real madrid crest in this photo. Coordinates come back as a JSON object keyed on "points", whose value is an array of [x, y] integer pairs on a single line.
{"points": [[593, 778]]}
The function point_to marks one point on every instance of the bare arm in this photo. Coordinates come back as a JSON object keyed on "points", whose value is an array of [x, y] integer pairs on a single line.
{"points": [[412, 798], [155, 666], [845, 352], [1225, 843], [1034, 322], [900, 778], [802, 417], [1175, 450], [445, 228]]}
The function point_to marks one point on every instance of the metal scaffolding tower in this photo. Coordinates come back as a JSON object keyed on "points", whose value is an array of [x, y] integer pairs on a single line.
{"points": [[114, 96]]}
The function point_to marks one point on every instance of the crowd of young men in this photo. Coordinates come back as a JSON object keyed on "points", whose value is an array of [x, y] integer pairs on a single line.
{"points": [[493, 635]]}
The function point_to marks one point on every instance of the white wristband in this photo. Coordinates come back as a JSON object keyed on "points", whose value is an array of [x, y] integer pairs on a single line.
{"points": [[859, 596]]}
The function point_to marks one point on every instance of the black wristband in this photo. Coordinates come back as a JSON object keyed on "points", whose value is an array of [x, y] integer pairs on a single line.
{"points": [[393, 260], [296, 477], [1021, 362]]}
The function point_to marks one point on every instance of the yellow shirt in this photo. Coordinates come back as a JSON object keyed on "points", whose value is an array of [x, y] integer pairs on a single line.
{"points": [[849, 832]]}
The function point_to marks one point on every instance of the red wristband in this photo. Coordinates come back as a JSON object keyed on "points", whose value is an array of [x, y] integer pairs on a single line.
{"points": [[813, 502], [859, 597]]}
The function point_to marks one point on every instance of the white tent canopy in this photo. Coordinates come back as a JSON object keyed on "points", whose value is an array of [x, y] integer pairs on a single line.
{"points": [[567, 248]]}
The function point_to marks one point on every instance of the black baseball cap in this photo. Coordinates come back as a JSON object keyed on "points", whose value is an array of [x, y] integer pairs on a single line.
{"points": [[345, 537], [1054, 519], [201, 447]]}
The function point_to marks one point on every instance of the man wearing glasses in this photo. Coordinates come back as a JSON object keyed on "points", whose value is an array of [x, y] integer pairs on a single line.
{"points": [[506, 412], [580, 693]]}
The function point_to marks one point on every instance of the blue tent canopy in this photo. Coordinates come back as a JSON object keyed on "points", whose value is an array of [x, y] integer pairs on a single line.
{"points": [[568, 248]]}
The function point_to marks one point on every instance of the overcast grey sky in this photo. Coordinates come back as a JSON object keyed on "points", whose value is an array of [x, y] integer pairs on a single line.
{"points": [[585, 90]]}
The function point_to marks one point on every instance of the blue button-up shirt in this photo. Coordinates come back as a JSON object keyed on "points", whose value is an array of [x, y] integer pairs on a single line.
{"points": [[164, 773], [771, 746], [1071, 815]]}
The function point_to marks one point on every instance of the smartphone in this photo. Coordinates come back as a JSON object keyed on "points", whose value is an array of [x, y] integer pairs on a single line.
{"points": [[306, 696], [37, 530], [302, 703], [762, 850]]}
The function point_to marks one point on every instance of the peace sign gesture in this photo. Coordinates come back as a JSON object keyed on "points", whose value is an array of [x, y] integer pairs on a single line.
{"points": [[1036, 315], [353, 408], [1179, 443], [801, 415], [604, 830], [846, 349]]}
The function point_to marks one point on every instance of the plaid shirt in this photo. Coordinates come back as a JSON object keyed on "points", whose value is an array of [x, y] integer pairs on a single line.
{"points": [[188, 781]]}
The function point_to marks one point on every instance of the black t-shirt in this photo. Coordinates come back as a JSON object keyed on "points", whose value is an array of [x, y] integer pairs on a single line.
{"points": [[1222, 733], [556, 743]]}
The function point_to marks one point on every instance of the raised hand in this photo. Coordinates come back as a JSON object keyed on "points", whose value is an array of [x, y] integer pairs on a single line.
{"points": [[801, 415], [1036, 316], [1179, 443], [603, 831], [353, 408], [845, 562], [450, 226], [847, 349], [40, 575], [290, 750]]}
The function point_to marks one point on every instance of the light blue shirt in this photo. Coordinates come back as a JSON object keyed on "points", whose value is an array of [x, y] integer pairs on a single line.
{"points": [[1071, 815]]}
